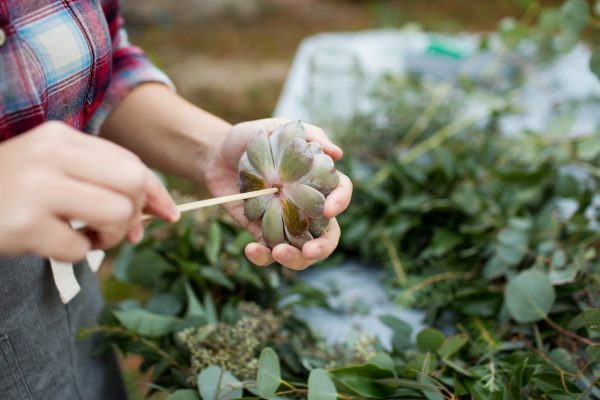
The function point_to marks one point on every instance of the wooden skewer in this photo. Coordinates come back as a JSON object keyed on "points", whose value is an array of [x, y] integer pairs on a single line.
{"points": [[194, 205]]}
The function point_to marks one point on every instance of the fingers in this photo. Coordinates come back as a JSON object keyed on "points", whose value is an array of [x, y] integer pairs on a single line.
{"points": [[259, 254], [103, 163], [106, 213], [313, 133], [158, 201], [56, 239], [316, 134], [339, 199], [293, 258], [323, 246]]}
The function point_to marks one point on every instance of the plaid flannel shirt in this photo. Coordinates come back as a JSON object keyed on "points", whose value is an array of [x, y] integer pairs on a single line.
{"points": [[66, 60]]}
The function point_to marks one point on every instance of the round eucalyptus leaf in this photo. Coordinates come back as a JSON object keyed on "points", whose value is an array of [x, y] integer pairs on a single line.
{"points": [[529, 296], [215, 383], [269, 374], [321, 386], [183, 394]]}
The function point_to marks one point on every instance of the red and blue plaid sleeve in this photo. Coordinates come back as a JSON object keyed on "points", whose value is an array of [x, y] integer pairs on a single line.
{"points": [[130, 68]]}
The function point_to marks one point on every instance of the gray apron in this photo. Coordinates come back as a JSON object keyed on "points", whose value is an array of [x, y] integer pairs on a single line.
{"points": [[40, 355]]}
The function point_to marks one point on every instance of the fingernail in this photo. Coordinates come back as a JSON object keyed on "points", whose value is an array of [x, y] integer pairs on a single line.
{"points": [[137, 233], [175, 214]]}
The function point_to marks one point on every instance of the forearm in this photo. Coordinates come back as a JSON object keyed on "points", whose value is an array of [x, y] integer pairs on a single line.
{"points": [[165, 131]]}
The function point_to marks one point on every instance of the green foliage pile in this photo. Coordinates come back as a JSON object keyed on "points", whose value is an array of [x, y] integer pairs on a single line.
{"points": [[495, 237]]}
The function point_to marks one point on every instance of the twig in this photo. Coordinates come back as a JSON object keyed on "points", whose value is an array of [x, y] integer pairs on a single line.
{"points": [[394, 259], [568, 333]]}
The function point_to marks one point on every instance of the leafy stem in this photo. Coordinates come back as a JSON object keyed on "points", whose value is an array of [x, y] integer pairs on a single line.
{"points": [[135, 337]]}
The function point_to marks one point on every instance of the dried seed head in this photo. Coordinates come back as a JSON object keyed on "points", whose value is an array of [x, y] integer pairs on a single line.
{"points": [[303, 173]]}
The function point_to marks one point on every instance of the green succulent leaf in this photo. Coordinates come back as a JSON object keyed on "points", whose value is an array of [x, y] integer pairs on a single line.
{"points": [[322, 175], [255, 208], [295, 161], [250, 182], [283, 135], [318, 226], [259, 154], [272, 224], [307, 199], [295, 221]]}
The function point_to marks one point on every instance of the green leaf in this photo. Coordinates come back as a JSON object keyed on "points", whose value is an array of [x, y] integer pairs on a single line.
{"points": [[145, 323], [209, 309], [215, 383], [432, 392], [320, 386], [383, 361], [121, 263], [512, 245], [269, 374], [216, 276], [597, 8], [452, 344], [212, 247], [593, 353], [529, 296], [595, 63], [430, 339], [591, 318], [363, 380], [573, 18], [147, 267], [194, 308], [183, 394], [402, 332], [164, 303], [564, 359]]}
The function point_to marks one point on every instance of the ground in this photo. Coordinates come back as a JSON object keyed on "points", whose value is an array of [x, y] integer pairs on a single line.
{"points": [[235, 66]]}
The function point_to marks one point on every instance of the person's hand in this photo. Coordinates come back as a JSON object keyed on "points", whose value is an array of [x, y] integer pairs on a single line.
{"points": [[221, 178], [53, 174]]}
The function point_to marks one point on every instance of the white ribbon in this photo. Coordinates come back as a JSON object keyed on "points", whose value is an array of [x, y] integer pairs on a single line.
{"points": [[64, 274]]}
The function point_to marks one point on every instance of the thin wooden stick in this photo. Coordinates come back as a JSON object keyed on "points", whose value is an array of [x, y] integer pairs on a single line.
{"points": [[194, 205]]}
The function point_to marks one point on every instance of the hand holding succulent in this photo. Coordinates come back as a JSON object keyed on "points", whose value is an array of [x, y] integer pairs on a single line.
{"points": [[304, 175], [330, 199]]}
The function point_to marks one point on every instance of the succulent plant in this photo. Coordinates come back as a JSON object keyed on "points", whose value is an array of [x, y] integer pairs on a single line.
{"points": [[301, 171]]}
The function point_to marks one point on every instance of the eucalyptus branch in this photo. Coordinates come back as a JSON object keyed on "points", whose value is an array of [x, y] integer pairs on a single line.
{"points": [[133, 336]]}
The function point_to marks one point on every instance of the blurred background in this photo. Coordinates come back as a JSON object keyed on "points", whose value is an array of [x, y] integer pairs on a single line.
{"points": [[231, 57]]}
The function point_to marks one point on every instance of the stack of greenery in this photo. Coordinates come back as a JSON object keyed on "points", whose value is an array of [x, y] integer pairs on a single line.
{"points": [[495, 237]]}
